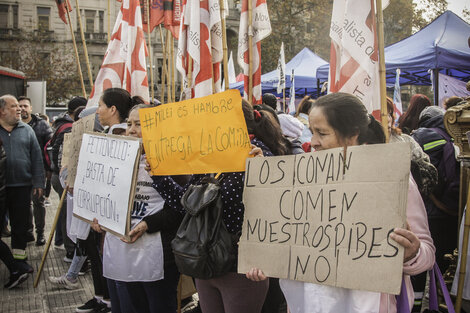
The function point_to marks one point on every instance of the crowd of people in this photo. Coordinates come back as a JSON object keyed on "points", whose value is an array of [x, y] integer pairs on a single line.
{"points": [[139, 274]]}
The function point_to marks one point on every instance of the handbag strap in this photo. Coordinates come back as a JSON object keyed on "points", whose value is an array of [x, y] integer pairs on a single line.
{"points": [[403, 306], [433, 305], [445, 291]]}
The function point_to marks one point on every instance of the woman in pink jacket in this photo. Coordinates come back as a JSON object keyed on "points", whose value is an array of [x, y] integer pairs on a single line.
{"points": [[339, 120]]}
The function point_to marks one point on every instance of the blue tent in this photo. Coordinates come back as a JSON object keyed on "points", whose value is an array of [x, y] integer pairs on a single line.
{"points": [[304, 64], [442, 46]]}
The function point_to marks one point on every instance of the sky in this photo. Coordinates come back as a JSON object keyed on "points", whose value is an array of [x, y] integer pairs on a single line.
{"points": [[457, 6]]}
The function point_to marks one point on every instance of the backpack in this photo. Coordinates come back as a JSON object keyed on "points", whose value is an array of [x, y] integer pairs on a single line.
{"points": [[47, 153], [446, 194], [203, 247]]}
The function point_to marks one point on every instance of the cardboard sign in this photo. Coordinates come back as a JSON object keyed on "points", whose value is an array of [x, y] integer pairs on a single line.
{"points": [[106, 178], [202, 135], [325, 217], [66, 150], [79, 127]]}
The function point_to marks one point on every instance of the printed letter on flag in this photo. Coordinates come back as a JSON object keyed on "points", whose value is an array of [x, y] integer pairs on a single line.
{"points": [[124, 63], [281, 67], [261, 28], [354, 66]]}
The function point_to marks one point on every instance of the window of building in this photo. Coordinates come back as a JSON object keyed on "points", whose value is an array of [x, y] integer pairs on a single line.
{"points": [[101, 24], [8, 16], [15, 16], [44, 15], [4, 15], [90, 21]]}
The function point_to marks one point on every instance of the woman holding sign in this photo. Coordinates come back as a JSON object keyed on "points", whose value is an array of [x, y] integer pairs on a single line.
{"points": [[340, 120], [230, 292]]}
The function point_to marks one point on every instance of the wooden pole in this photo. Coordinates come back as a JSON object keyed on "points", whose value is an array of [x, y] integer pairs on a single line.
{"points": [[168, 43], [190, 72], [463, 258], [149, 36], [250, 52], [173, 76], [383, 87], [284, 99], [85, 50], [76, 51], [224, 43], [162, 91], [179, 290], [109, 21], [51, 234]]}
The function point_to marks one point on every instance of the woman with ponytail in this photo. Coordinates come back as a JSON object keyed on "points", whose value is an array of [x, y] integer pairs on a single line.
{"points": [[340, 120]]}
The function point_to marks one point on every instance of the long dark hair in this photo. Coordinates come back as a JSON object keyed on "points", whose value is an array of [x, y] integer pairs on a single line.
{"points": [[265, 127], [348, 117], [410, 119], [121, 99]]}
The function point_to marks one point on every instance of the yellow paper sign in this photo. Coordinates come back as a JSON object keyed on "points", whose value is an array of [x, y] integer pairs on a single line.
{"points": [[202, 135]]}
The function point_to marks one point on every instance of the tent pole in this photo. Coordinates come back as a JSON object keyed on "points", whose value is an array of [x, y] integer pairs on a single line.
{"points": [[318, 88], [435, 84]]}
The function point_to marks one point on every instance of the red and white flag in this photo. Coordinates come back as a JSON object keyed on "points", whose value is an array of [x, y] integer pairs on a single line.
{"points": [[200, 38], [354, 66], [155, 8], [261, 28], [173, 10], [124, 63], [61, 5]]}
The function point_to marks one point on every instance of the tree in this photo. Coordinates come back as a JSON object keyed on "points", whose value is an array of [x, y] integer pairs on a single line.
{"points": [[53, 62], [427, 11]]}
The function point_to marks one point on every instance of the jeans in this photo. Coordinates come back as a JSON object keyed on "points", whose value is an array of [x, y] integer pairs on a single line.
{"points": [[39, 213], [120, 297], [156, 296], [75, 266]]}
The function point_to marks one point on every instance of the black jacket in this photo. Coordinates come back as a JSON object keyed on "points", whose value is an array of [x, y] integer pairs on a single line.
{"points": [[58, 141], [42, 129], [3, 181]]}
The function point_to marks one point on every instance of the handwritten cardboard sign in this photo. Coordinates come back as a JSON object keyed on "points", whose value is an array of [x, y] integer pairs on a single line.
{"points": [[79, 127], [202, 135], [325, 217], [105, 184]]}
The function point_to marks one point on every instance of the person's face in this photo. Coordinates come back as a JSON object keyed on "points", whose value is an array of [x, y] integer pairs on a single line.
{"points": [[105, 114], [11, 112], [323, 135], [26, 109], [133, 124]]}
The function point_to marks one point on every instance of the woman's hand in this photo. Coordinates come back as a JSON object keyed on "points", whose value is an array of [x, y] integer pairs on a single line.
{"points": [[408, 240], [136, 232], [96, 227], [147, 166], [256, 274], [255, 151]]}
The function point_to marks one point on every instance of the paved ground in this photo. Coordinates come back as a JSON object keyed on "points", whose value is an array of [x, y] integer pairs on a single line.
{"points": [[46, 297]]}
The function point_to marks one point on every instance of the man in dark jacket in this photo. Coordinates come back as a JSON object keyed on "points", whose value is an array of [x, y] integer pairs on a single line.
{"points": [[25, 171], [43, 132], [58, 140], [442, 204]]}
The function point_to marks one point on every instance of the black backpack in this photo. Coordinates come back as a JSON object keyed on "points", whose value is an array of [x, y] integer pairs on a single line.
{"points": [[203, 247]]}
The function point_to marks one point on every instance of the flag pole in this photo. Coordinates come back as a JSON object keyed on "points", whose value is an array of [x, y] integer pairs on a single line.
{"points": [[167, 44], [85, 50], [162, 92], [383, 87], [250, 52], [109, 21], [149, 35], [76, 51], [173, 76], [190, 72], [224, 43]]}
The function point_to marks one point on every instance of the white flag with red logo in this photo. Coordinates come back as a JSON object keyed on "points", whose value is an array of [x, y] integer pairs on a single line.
{"points": [[261, 28], [124, 64], [354, 66], [201, 39]]}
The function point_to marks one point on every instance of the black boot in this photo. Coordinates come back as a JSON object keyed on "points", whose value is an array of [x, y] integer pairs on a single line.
{"points": [[40, 241]]}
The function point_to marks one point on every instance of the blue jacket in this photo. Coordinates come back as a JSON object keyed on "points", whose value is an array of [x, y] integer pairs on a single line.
{"points": [[24, 158]]}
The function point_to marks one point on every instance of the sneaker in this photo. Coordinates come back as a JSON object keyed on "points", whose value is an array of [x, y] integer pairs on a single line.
{"points": [[16, 278], [25, 267], [64, 282], [68, 258], [89, 306], [40, 241], [102, 308], [59, 247], [47, 202]]}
